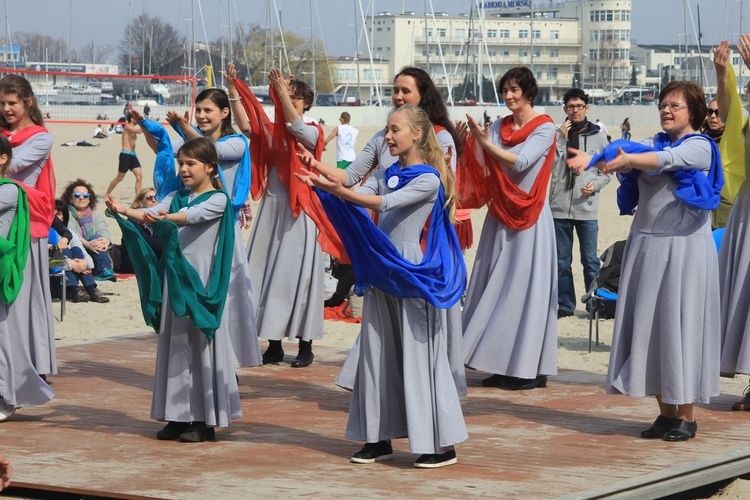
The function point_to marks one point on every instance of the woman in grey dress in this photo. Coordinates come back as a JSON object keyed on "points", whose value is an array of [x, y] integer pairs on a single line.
{"points": [[734, 256], [20, 385], [411, 86], [404, 386], [286, 260], [510, 314], [666, 340], [195, 388], [22, 122]]}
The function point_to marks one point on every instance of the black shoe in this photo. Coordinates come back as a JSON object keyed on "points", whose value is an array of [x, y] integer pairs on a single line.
{"points": [[197, 432], [498, 381], [562, 313], [172, 431], [524, 384], [373, 452], [305, 355], [274, 353], [661, 426], [95, 297], [78, 295], [682, 431], [436, 460]]}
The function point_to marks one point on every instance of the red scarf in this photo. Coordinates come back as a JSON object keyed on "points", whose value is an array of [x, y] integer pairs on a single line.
{"points": [[483, 181], [276, 146], [42, 197]]}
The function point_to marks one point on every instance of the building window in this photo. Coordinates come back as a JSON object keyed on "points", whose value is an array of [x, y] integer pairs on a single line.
{"points": [[492, 52], [379, 30], [523, 53], [537, 34], [491, 33], [345, 74], [460, 32], [554, 52], [506, 53], [554, 34], [441, 32], [457, 52], [537, 52], [552, 73], [504, 33], [523, 33]]}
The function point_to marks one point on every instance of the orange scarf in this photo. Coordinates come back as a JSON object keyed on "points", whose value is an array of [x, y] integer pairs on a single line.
{"points": [[42, 196], [483, 181], [276, 146]]}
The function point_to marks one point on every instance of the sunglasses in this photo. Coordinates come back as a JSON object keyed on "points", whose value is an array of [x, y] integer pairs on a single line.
{"points": [[82, 195], [713, 112], [150, 197]]}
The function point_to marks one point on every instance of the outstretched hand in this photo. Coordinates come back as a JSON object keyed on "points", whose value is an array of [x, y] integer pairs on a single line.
{"points": [[721, 57], [137, 116], [181, 120], [231, 73], [744, 49], [278, 81], [321, 181], [149, 217], [462, 131], [579, 160], [480, 135], [306, 157], [617, 164], [114, 205]]}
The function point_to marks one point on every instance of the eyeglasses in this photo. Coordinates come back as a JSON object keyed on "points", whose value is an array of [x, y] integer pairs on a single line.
{"points": [[150, 197], [673, 107], [575, 107], [85, 196], [713, 112]]}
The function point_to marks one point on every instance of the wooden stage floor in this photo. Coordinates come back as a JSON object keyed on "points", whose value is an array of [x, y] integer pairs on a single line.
{"points": [[570, 439]]}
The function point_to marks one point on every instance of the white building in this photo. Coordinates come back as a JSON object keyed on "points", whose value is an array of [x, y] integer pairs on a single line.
{"points": [[565, 43]]}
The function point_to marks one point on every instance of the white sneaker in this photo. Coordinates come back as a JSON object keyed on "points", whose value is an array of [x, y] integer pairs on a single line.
{"points": [[6, 410]]}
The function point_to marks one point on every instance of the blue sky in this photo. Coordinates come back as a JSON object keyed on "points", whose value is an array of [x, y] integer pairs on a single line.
{"points": [[102, 21]]}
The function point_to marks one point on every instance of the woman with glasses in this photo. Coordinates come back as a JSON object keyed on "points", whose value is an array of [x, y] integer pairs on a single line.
{"points": [[284, 253], [665, 340], [31, 166], [146, 198], [90, 227], [510, 314], [714, 128]]}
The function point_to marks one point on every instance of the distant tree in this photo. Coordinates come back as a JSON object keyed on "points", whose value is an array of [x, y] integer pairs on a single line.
{"points": [[97, 54], [37, 47], [150, 45], [251, 51], [633, 76]]}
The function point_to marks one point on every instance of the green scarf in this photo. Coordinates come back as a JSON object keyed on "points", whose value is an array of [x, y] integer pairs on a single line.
{"points": [[187, 294], [14, 251]]}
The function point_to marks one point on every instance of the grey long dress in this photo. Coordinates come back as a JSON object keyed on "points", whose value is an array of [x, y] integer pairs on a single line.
{"points": [[666, 336], [244, 334], [376, 155], [194, 379], [20, 385], [510, 314], [404, 386], [33, 307], [286, 261], [734, 262]]}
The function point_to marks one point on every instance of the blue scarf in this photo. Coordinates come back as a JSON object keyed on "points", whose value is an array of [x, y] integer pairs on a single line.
{"points": [[440, 278], [166, 179], [241, 188], [693, 187]]}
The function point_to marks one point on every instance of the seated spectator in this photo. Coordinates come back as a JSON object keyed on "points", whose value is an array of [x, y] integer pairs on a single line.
{"points": [[79, 264], [118, 253], [99, 132], [90, 226]]}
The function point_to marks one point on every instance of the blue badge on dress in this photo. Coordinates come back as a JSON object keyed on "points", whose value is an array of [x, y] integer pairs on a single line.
{"points": [[393, 182]]}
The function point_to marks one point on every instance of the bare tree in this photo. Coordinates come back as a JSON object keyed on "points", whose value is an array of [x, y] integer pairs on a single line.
{"points": [[97, 54], [37, 47], [253, 57], [151, 46]]}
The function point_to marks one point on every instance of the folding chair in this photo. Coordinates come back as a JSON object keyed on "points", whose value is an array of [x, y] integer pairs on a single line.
{"points": [[597, 297], [59, 272]]}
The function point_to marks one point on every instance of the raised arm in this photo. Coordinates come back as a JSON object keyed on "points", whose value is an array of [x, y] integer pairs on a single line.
{"points": [[281, 85], [721, 59], [240, 115]]}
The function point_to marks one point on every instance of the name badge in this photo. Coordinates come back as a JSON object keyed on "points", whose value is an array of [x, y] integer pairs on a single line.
{"points": [[393, 182]]}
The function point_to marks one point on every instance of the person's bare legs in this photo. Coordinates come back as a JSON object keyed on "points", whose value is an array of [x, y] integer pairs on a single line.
{"points": [[138, 180], [118, 179], [685, 412]]}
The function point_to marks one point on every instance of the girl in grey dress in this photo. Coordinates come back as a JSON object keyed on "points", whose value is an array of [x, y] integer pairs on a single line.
{"points": [[22, 122], [194, 388], [411, 86], [403, 386], [20, 385], [666, 336], [214, 122], [510, 314]]}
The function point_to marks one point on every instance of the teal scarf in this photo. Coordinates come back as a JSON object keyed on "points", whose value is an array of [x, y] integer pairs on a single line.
{"points": [[188, 296], [14, 251]]}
